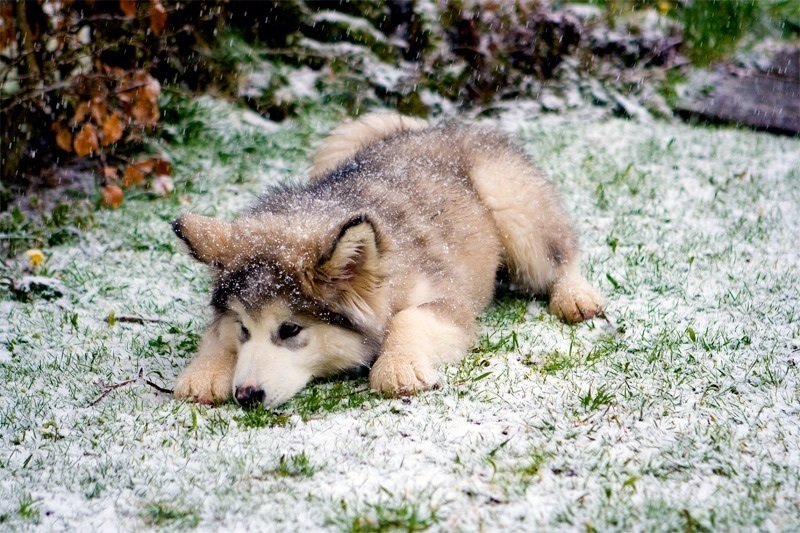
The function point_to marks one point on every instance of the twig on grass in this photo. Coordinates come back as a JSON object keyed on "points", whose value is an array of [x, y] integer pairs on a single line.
{"points": [[137, 319], [158, 387], [108, 389], [609, 323]]}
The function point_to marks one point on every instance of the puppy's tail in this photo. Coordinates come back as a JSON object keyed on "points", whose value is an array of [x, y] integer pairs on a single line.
{"points": [[350, 137]]}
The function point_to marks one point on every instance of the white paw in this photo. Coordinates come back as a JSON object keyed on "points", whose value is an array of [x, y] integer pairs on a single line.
{"points": [[574, 300], [204, 383], [400, 375]]}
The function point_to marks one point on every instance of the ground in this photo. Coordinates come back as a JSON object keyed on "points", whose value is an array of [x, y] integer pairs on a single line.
{"points": [[680, 412]]}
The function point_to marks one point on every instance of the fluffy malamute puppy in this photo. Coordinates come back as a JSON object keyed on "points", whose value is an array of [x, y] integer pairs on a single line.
{"points": [[382, 260]]}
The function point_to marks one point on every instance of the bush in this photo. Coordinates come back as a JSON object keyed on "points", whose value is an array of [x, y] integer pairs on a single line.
{"points": [[81, 78]]}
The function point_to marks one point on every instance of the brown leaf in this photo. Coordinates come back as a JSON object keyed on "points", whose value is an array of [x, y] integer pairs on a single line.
{"points": [[7, 25], [112, 195], [85, 141], [145, 112], [128, 7], [133, 176], [145, 165], [110, 173], [125, 96], [80, 113], [162, 185], [97, 108], [158, 17], [161, 167], [151, 88], [112, 129], [63, 137]]}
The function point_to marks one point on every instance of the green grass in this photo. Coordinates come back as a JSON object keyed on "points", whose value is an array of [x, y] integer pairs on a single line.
{"points": [[320, 399], [295, 466], [592, 401], [28, 509], [59, 225], [164, 514], [677, 413], [380, 517], [261, 417]]}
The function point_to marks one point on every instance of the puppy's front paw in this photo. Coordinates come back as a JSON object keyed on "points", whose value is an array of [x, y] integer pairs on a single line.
{"points": [[399, 375], [574, 300], [204, 383]]}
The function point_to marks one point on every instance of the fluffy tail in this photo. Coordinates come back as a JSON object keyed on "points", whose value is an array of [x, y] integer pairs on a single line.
{"points": [[350, 137]]}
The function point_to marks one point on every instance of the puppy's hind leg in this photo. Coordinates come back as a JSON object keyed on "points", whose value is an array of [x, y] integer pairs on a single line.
{"points": [[541, 248], [418, 340]]}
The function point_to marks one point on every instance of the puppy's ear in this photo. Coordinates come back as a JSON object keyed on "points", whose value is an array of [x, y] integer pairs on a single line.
{"points": [[209, 239], [351, 266]]}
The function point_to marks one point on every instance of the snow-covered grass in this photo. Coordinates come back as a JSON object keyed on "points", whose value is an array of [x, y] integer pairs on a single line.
{"points": [[680, 412]]}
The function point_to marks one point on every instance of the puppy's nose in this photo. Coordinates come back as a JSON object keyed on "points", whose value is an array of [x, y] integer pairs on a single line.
{"points": [[248, 396]]}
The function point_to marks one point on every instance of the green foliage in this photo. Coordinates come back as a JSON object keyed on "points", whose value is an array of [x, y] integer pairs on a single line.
{"points": [[261, 417], [62, 225], [162, 514], [535, 463], [713, 27], [330, 397], [295, 466], [27, 509], [382, 517], [593, 401]]}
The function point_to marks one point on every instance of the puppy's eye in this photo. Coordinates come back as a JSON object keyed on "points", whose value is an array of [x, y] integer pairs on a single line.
{"points": [[288, 330], [244, 334]]}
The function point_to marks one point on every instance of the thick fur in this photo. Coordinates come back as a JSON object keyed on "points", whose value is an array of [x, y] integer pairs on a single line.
{"points": [[383, 260]]}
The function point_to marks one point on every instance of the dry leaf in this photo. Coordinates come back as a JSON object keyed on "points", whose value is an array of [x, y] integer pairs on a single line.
{"points": [[145, 112], [112, 129], [125, 96], [7, 26], [145, 165], [112, 195], [97, 108], [128, 7], [133, 176], [158, 17], [162, 167], [85, 141], [151, 88], [140, 93], [63, 137], [110, 173], [80, 113], [162, 185]]}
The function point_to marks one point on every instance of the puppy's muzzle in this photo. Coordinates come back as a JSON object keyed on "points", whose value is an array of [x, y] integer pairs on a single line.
{"points": [[249, 396]]}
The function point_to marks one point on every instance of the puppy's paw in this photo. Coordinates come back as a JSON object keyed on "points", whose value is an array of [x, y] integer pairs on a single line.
{"points": [[400, 375], [574, 300], [204, 383]]}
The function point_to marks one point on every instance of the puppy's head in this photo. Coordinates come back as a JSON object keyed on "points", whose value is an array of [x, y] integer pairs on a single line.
{"points": [[302, 300]]}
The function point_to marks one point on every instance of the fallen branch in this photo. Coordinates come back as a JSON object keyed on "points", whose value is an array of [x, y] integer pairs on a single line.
{"points": [[139, 377], [136, 319], [158, 387], [108, 389]]}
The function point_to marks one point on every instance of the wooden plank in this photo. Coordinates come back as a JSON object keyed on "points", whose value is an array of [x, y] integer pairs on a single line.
{"points": [[767, 101]]}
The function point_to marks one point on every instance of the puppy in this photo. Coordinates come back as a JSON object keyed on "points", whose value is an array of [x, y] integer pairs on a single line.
{"points": [[382, 260]]}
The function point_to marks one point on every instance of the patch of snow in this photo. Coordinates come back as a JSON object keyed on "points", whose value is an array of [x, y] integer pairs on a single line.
{"points": [[706, 425], [350, 22]]}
